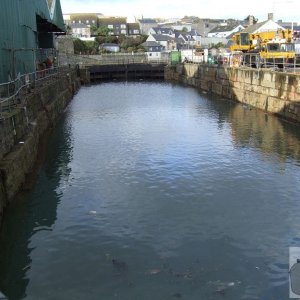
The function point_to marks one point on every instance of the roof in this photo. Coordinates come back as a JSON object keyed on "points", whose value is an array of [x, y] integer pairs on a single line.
{"points": [[221, 28], [254, 27], [161, 37], [162, 30], [112, 21], [78, 25], [186, 37], [133, 25], [147, 21], [151, 44], [83, 17]]}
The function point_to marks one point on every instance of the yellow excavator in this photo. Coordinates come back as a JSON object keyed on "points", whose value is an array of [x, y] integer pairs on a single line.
{"points": [[265, 48]]}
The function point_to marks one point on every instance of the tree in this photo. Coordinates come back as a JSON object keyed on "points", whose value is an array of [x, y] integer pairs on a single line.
{"points": [[94, 29], [184, 29], [103, 31], [80, 47]]}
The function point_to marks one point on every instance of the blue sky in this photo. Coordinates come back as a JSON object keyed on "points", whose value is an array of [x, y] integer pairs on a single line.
{"points": [[283, 9]]}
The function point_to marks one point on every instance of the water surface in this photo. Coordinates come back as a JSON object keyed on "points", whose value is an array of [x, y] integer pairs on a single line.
{"points": [[157, 191]]}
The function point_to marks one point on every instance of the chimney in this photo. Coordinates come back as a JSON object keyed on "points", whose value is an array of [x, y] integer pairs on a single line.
{"points": [[270, 16], [251, 20]]}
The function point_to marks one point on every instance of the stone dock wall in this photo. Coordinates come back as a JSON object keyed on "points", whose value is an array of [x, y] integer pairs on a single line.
{"points": [[22, 128], [273, 92]]}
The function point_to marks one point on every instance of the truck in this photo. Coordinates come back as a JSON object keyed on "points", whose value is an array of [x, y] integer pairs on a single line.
{"points": [[269, 48]]}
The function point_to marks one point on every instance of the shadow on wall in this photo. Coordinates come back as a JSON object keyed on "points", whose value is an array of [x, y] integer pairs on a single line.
{"points": [[34, 214], [271, 92]]}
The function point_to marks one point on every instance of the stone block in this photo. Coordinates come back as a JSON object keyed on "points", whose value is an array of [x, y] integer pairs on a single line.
{"points": [[216, 88]]}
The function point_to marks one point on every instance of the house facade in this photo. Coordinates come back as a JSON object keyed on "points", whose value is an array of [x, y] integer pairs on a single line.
{"points": [[153, 50], [117, 26], [133, 29], [146, 25], [80, 30]]}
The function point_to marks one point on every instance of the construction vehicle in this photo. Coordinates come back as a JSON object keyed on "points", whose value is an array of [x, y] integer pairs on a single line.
{"points": [[265, 48]]}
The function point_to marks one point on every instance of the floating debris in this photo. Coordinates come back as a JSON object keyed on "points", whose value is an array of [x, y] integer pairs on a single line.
{"points": [[92, 212]]}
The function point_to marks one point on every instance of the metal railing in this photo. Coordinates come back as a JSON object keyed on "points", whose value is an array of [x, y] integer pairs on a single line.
{"points": [[11, 92], [251, 60]]}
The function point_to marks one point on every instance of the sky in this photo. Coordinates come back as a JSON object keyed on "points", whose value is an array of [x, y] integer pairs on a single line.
{"points": [[287, 10]]}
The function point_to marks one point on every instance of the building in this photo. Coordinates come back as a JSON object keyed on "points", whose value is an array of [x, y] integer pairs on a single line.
{"points": [[167, 42], [225, 31], [116, 25], [204, 26], [268, 25], [162, 30], [133, 29], [146, 25], [85, 18], [153, 50], [152, 47], [80, 30], [110, 47], [26, 36]]}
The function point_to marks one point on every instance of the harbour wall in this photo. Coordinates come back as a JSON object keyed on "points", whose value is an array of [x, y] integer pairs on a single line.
{"points": [[22, 128], [273, 92]]}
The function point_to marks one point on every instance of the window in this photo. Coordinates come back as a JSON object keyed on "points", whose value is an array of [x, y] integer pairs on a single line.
{"points": [[93, 21], [110, 26], [123, 26], [87, 21], [136, 31], [123, 31], [79, 21]]}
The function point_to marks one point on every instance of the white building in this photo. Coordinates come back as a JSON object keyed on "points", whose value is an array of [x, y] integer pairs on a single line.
{"points": [[222, 31]]}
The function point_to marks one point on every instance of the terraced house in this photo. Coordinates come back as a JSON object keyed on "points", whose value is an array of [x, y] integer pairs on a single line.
{"points": [[27, 30], [116, 25]]}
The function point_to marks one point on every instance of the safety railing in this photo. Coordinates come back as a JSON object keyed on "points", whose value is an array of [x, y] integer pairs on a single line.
{"points": [[11, 92], [251, 60]]}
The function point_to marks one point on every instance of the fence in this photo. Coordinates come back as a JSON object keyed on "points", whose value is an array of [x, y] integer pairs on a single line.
{"points": [[251, 60], [11, 92], [110, 59]]}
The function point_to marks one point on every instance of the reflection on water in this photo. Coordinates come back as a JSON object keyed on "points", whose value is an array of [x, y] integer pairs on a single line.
{"points": [[154, 191]]}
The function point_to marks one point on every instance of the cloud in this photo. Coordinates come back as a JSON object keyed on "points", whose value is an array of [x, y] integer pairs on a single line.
{"points": [[283, 9]]}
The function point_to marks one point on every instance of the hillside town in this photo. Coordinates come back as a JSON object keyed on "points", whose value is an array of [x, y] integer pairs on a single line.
{"points": [[94, 33]]}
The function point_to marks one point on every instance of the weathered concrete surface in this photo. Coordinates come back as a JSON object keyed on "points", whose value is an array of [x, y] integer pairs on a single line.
{"points": [[21, 131], [274, 92]]}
